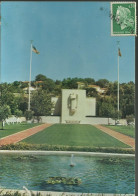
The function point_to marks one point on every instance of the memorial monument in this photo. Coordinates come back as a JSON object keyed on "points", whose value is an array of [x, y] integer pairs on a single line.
{"points": [[74, 106]]}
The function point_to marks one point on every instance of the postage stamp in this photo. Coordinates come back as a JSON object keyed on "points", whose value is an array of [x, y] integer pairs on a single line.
{"points": [[123, 18]]}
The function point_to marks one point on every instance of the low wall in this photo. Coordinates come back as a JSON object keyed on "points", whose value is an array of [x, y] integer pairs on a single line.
{"points": [[123, 121], [60, 153], [98, 120], [87, 120], [22, 119], [51, 119]]}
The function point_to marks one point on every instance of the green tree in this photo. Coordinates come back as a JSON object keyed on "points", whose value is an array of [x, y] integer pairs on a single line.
{"points": [[89, 80], [116, 115], [107, 110], [40, 77], [4, 113], [48, 85], [18, 113], [29, 114], [58, 82], [127, 99], [112, 89], [24, 85], [16, 83], [70, 83], [41, 104], [103, 83], [8, 98], [22, 102], [91, 92]]}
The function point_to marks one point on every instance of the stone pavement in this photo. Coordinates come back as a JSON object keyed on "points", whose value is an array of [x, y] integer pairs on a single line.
{"points": [[121, 137], [14, 138], [52, 193]]}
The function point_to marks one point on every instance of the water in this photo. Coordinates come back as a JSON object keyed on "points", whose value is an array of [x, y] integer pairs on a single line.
{"points": [[98, 174]]}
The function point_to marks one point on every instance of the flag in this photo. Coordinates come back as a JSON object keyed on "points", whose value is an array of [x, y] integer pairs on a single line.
{"points": [[119, 53], [35, 50]]}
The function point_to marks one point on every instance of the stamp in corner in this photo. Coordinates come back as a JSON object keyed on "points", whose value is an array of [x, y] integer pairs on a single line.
{"points": [[123, 19]]}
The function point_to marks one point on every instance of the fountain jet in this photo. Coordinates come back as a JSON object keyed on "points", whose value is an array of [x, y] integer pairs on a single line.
{"points": [[71, 163]]}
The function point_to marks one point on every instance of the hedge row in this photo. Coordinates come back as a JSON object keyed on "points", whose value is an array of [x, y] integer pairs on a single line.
{"points": [[25, 146]]}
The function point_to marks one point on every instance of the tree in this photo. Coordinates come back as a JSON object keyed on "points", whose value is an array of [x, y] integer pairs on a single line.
{"points": [[16, 83], [18, 113], [58, 82], [48, 85], [107, 110], [8, 98], [103, 83], [4, 113], [127, 98], [89, 80], [40, 77], [41, 104], [22, 103], [70, 83], [24, 85], [91, 92], [116, 115], [57, 91], [28, 114]]}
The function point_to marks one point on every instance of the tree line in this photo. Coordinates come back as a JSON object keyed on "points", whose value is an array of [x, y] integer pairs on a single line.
{"points": [[15, 100]]}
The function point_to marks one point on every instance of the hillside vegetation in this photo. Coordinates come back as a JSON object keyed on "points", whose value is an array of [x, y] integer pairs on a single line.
{"points": [[15, 95]]}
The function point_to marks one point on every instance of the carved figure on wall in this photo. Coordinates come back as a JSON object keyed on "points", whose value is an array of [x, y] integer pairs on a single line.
{"points": [[72, 103]]}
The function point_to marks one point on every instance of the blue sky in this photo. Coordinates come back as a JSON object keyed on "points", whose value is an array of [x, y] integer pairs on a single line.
{"points": [[73, 38]]}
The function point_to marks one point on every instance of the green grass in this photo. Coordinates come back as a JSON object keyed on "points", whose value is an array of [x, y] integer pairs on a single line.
{"points": [[14, 128], [126, 130], [74, 135]]}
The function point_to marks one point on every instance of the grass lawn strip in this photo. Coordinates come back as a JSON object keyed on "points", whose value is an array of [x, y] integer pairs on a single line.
{"points": [[74, 135], [15, 128], [126, 130], [16, 137], [121, 137]]}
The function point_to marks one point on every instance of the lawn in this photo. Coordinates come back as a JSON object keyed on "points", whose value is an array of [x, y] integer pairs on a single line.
{"points": [[74, 135], [14, 128], [126, 130]]}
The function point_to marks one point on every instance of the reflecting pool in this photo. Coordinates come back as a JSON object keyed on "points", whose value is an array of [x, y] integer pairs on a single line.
{"points": [[97, 174]]}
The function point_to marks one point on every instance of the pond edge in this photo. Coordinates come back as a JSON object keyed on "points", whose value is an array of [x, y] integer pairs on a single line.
{"points": [[65, 153], [51, 193]]}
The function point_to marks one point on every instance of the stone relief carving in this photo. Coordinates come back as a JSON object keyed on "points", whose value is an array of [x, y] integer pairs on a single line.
{"points": [[72, 103]]}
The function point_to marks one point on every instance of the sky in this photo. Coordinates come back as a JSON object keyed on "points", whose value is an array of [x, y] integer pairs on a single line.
{"points": [[73, 38]]}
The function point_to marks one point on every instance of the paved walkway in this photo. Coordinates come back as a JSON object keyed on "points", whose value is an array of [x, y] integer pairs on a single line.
{"points": [[14, 138], [121, 137]]}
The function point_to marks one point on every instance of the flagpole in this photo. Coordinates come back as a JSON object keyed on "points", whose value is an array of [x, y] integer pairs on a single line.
{"points": [[118, 88], [118, 84], [30, 76]]}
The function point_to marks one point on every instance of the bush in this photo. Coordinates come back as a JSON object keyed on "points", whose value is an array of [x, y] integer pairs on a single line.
{"points": [[18, 113], [25, 146], [28, 114], [130, 118]]}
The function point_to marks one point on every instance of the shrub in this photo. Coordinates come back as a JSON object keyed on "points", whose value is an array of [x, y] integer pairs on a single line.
{"points": [[28, 114], [130, 118], [25, 146]]}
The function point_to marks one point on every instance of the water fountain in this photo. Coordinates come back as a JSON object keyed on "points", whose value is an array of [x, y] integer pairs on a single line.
{"points": [[71, 163]]}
